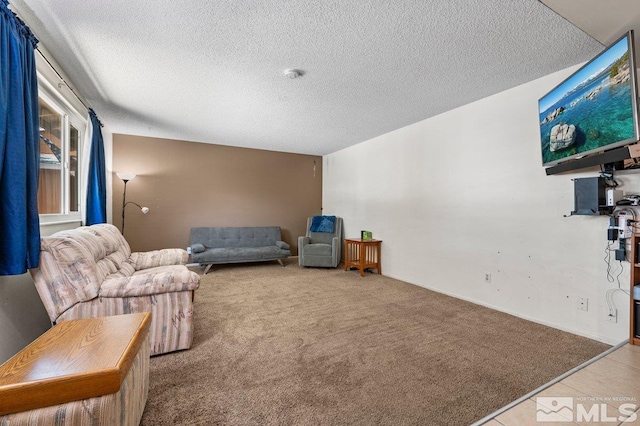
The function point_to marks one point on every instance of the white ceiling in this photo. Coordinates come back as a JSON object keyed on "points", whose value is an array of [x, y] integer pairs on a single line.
{"points": [[214, 71]]}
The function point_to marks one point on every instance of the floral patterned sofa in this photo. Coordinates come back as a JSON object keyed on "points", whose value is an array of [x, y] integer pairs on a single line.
{"points": [[90, 272]]}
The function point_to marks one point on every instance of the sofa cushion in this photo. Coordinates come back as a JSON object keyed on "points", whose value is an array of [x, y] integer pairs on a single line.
{"points": [[225, 237], [72, 267], [126, 270], [240, 254], [109, 248], [317, 250], [163, 279], [320, 237], [197, 248], [151, 259]]}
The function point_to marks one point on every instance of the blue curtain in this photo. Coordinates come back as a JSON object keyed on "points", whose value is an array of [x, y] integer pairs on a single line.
{"points": [[97, 178], [19, 146]]}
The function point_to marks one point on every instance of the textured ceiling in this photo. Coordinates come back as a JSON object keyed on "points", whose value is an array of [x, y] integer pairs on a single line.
{"points": [[213, 71]]}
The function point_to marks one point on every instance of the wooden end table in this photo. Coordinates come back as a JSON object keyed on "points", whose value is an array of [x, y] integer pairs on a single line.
{"points": [[362, 254], [74, 360]]}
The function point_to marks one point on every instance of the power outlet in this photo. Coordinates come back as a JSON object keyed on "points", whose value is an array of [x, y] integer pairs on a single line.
{"points": [[583, 304], [487, 277], [612, 316]]}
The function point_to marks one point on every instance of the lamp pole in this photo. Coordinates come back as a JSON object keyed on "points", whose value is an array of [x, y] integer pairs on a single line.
{"points": [[124, 202], [126, 177]]}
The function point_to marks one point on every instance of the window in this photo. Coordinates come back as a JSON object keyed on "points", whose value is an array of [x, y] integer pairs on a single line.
{"points": [[61, 133]]}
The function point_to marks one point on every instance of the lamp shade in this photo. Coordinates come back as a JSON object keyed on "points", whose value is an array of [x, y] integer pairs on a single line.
{"points": [[125, 176]]}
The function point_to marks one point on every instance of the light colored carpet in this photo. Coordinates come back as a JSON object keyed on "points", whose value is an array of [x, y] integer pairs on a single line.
{"points": [[296, 346]]}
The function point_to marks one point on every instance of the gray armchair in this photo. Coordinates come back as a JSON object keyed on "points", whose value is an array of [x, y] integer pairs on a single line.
{"points": [[321, 249]]}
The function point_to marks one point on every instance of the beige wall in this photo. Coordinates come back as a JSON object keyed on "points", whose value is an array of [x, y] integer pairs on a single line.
{"points": [[187, 184]]}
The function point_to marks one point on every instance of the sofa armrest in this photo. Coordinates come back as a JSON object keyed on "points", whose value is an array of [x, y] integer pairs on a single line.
{"points": [[303, 241], [282, 245], [336, 247], [335, 242], [142, 284], [154, 258], [197, 248]]}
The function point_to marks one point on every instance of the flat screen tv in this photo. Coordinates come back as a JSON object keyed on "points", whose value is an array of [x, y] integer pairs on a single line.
{"points": [[593, 110]]}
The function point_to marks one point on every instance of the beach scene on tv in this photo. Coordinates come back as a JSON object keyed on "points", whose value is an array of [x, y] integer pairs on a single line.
{"points": [[590, 110]]}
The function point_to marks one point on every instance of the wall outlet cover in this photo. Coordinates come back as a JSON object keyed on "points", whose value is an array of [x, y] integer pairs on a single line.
{"points": [[583, 304]]}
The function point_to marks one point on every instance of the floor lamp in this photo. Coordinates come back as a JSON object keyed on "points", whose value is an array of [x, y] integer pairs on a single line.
{"points": [[126, 177]]}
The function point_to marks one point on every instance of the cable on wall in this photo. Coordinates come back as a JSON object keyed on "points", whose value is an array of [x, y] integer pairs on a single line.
{"points": [[610, 278]]}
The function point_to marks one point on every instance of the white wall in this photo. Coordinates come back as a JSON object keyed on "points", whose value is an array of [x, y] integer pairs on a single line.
{"points": [[463, 194], [22, 314]]}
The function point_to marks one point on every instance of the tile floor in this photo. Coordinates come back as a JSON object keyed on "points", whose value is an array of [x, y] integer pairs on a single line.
{"points": [[606, 392]]}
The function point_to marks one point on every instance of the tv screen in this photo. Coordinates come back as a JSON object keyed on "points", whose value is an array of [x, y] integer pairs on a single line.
{"points": [[593, 110]]}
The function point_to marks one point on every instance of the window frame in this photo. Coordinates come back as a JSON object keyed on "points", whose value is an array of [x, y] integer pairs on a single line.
{"points": [[70, 117]]}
